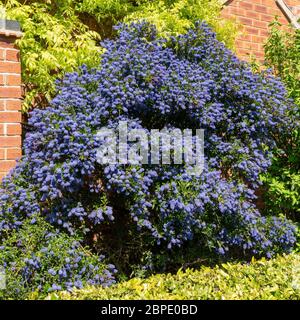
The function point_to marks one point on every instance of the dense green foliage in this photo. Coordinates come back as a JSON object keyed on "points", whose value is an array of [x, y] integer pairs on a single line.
{"points": [[55, 41], [270, 280], [283, 180], [175, 17], [61, 35], [283, 55]]}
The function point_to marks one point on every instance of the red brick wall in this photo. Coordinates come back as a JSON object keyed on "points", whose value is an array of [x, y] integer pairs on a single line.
{"points": [[254, 17], [10, 102]]}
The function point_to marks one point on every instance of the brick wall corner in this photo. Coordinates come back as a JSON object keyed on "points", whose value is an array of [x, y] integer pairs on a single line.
{"points": [[10, 98]]}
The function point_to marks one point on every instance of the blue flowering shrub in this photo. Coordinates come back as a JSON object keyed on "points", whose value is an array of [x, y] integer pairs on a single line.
{"points": [[189, 81], [38, 259]]}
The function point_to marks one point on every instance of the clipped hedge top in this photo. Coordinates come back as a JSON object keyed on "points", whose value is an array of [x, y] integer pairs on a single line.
{"points": [[266, 280]]}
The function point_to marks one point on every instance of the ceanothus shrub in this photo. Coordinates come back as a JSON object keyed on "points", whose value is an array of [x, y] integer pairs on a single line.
{"points": [[190, 81]]}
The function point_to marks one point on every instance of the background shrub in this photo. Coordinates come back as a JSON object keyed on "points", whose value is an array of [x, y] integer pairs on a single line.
{"points": [[283, 179], [282, 55], [59, 36], [37, 260], [175, 17], [189, 81]]}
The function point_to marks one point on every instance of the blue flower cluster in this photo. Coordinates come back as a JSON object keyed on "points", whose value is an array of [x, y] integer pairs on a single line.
{"points": [[38, 258], [189, 81]]}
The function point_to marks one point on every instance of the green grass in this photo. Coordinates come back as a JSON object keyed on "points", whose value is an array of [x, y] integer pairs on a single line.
{"points": [[274, 279]]}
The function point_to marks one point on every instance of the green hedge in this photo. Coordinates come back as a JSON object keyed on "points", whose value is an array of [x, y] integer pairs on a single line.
{"points": [[274, 279]]}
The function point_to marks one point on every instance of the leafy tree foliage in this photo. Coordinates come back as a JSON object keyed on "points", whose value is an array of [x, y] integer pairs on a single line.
{"points": [[61, 35], [283, 179]]}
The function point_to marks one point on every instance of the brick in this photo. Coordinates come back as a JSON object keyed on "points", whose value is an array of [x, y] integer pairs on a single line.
{"points": [[264, 33], [13, 80], [2, 80], [245, 21], [248, 45], [260, 24], [269, 3], [244, 52], [261, 47], [13, 154], [2, 54], [258, 39], [267, 17], [253, 15], [13, 129], [276, 11], [10, 92], [250, 30], [240, 44], [10, 67], [283, 21], [13, 105], [238, 12], [226, 15], [10, 142], [10, 104], [7, 42], [258, 54], [12, 55], [246, 5], [7, 165], [245, 37], [2, 105], [262, 9], [10, 116], [255, 46]]}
